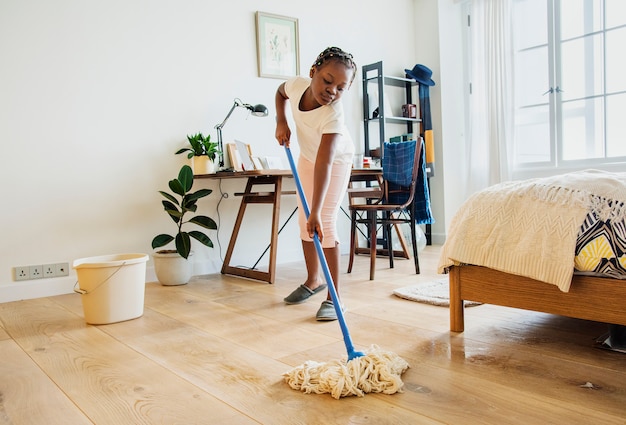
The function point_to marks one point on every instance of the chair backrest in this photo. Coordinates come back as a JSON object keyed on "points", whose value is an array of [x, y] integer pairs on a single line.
{"points": [[401, 163]]}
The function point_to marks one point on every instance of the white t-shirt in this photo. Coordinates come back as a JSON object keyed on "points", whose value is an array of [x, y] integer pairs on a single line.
{"points": [[311, 125]]}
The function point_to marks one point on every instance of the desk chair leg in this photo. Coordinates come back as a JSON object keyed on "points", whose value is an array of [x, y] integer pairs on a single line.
{"points": [[387, 237], [414, 239], [352, 240], [372, 244]]}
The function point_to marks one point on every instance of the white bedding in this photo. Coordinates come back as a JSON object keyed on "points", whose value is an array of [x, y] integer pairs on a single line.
{"points": [[530, 227]]}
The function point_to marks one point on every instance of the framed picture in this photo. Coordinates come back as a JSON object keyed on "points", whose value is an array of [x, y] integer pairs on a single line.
{"points": [[234, 157], [258, 165], [277, 41]]}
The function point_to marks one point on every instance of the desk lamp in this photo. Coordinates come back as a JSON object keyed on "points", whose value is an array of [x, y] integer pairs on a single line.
{"points": [[257, 110]]}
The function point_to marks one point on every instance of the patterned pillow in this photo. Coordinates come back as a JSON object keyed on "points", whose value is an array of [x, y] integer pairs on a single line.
{"points": [[601, 247]]}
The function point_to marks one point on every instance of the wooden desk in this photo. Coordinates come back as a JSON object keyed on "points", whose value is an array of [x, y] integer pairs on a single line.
{"points": [[255, 178]]}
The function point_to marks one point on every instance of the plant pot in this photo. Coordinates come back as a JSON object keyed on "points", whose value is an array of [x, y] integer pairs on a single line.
{"points": [[171, 269], [202, 165]]}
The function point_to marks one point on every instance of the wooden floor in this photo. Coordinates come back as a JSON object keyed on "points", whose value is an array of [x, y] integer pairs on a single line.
{"points": [[213, 351]]}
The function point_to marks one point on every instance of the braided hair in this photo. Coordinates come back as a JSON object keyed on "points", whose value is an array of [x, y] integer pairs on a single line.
{"points": [[336, 54]]}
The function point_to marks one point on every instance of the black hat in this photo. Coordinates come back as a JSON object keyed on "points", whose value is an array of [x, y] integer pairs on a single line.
{"points": [[421, 74]]}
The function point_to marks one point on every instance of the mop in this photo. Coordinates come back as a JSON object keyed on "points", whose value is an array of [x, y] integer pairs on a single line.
{"points": [[372, 371]]}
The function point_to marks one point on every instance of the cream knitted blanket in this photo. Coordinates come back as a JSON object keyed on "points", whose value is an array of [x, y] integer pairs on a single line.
{"points": [[530, 227]]}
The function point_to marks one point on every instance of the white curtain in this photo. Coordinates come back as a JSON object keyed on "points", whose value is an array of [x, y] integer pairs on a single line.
{"points": [[491, 102]]}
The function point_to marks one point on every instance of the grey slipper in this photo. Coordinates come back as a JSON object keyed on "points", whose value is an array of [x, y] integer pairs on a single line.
{"points": [[327, 311], [302, 293]]}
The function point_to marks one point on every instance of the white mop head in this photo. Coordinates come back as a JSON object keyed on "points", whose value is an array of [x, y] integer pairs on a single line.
{"points": [[378, 371]]}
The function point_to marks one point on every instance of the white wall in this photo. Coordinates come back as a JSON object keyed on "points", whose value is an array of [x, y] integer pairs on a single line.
{"points": [[95, 98], [439, 33]]}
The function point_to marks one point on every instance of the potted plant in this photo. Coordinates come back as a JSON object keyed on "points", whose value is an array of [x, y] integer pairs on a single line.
{"points": [[171, 265], [202, 153]]}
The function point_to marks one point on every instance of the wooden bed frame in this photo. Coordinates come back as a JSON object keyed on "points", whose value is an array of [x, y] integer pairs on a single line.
{"points": [[590, 298]]}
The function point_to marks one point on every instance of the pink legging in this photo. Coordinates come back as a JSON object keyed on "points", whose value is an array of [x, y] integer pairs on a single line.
{"points": [[339, 178]]}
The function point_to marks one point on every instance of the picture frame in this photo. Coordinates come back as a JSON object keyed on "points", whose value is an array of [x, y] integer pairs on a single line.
{"points": [[240, 156], [277, 42], [234, 157], [258, 165]]}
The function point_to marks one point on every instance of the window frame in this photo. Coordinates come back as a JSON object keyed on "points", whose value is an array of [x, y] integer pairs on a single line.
{"points": [[556, 103]]}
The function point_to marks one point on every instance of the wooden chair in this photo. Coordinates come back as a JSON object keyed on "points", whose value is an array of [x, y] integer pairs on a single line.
{"points": [[395, 206], [366, 186]]}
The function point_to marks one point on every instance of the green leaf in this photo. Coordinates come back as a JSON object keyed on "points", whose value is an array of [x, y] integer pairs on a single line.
{"points": [[161, 240], [204, 221], [202, 238], [168, 206], [183, 244], [190, 206], [169, 196], [199, 194], [196, 147], [177, 187], [175, 214], [185, 177]]}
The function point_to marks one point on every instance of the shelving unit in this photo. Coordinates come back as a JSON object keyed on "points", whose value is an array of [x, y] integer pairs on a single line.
{"points": [[373, 75]]}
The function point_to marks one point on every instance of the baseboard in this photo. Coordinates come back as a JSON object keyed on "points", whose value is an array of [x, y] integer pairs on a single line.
{"points": [[437, 238], [40, 288], [25, 290]]}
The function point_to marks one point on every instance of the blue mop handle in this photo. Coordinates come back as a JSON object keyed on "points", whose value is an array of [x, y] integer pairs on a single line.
{"points": [[320, 253]]}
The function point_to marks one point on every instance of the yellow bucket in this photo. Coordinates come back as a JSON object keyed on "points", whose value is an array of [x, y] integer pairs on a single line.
{"points": [[112, 287]]}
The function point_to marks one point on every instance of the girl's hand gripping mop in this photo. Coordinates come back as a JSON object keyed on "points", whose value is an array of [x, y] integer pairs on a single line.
{"points": [[362, 372]]}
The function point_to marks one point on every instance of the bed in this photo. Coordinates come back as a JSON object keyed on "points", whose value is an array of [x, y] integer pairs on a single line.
{"points": [[555, 245]]}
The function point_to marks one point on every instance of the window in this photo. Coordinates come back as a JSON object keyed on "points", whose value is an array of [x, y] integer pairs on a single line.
{"points": [[570, 82]]}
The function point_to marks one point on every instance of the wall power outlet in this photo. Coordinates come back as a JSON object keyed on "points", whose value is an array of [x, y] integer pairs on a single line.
{"points": [[35, 272], [21, 273], [49, 270], [41, 271], [61, 269]]}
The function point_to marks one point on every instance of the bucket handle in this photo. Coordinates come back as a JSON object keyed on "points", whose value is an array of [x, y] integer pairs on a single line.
{"points": [[80, 291]]}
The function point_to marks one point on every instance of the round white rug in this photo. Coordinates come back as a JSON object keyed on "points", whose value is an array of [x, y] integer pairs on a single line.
{"points": [[436, 292]]}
